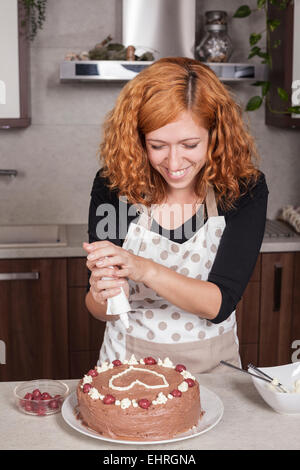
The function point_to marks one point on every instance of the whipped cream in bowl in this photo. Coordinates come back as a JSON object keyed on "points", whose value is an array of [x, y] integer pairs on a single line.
{"points": [[289, 376]]}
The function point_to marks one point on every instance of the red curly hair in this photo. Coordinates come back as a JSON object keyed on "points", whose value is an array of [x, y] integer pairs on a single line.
{"points": [[154, 98]]}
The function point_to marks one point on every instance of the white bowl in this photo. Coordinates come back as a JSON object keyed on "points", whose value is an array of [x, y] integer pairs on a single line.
{"points": [[284, 403]]}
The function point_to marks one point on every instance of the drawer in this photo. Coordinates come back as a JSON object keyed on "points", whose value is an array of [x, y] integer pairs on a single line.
{"points": [[77, 272]]}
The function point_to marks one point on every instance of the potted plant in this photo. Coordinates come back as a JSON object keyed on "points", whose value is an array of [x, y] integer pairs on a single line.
{"points": [[256, 49], [34, 16]]}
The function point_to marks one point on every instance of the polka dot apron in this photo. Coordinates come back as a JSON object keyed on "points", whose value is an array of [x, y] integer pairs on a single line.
{"points": [[156, 327]]}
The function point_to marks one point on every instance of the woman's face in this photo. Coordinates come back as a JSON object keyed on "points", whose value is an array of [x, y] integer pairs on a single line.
{"points": [[178, 151]]}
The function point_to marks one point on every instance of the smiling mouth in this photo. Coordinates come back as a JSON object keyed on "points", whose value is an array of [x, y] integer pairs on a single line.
{"points": [[177, 174]]}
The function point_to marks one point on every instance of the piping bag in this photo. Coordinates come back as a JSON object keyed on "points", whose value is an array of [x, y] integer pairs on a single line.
{"points": [[118, 305]]}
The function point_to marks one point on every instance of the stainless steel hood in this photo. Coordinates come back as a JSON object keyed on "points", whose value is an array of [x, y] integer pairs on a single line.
{"points": [[165, 27]]}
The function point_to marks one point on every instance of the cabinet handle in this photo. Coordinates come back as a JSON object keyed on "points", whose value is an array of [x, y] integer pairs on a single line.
{"points": [[32, 276], [277, 287]]}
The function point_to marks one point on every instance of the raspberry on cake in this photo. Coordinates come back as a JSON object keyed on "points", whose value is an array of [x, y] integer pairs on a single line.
{"points": [[144, 399]]}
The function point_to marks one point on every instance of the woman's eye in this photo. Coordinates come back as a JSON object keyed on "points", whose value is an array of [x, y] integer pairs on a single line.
{"points": [[157, 147], [190, 146]]}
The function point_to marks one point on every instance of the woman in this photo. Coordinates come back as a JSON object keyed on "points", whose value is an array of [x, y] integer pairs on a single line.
{"points": [[175, 143]]}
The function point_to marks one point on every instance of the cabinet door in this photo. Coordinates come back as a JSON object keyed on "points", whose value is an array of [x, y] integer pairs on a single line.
{"points": [[33, 319], [276, 309], [247, 314], [85, 332]]}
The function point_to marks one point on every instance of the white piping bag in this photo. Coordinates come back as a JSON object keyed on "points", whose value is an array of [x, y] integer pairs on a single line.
{"points": [[118, 305]]}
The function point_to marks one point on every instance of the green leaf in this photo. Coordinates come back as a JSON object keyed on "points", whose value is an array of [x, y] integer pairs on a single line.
{"points": [[257, 83], [260, 3], [273, 24], [283, 94], [254, 38], [265, 88], [283, 4], [254, 51], [294, 109], [276, 43], [254, 103], [242, 12]]}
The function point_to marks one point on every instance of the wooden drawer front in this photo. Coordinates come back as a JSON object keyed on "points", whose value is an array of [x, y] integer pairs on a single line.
{"points": [[247, 314], [77, 272], [85, 331], [257, 270], [276, 309], [33, 320], [248, 353], [81, 362]]}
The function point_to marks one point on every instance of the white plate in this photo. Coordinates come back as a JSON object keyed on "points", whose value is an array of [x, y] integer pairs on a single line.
{"points": [[210, 402]]}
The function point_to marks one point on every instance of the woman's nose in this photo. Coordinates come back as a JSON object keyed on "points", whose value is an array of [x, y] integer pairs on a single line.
{"points": [[173, 158]]}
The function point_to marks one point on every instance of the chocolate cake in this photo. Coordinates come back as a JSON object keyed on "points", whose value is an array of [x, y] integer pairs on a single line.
{"points": [[139, 399]]}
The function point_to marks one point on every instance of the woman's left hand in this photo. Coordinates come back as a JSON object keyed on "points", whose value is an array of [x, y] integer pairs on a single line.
{"points": [[131, 266]]}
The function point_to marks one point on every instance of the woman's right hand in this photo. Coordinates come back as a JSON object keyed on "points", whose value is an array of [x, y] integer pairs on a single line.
{"points": [[102, 289]]}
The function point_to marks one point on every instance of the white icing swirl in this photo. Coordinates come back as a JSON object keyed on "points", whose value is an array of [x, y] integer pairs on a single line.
{"points": [[183, 387], [132, 360], [187, 375], [167, 363], [94, 394], [125, 403], [102, 368], [87, 379], [161, 398]]}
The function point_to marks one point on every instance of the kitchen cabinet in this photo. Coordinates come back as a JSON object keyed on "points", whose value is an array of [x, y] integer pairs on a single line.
{"points": [[85, 332], [49, 333], [277, 275], [15, 73], [285, 70], [33, 319], [247, 316]]}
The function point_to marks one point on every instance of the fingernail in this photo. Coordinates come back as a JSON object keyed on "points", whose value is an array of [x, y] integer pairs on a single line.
{"points": [[99, 263], [91, 256]]}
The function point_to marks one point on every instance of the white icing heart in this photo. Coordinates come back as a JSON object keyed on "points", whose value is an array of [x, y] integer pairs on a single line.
{"points": [[111, 381]]}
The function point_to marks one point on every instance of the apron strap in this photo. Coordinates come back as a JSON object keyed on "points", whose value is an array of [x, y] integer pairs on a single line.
{"points": [[210, 202]]}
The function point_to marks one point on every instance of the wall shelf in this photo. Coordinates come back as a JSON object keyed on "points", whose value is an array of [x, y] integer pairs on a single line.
{"points": [[111, 70]]}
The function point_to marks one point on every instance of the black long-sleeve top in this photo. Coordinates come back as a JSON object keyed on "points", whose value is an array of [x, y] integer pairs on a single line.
{"points": [[239, 245]]}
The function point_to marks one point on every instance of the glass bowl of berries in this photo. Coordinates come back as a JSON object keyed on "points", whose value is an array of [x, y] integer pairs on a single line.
{"points": [[41, 397]]}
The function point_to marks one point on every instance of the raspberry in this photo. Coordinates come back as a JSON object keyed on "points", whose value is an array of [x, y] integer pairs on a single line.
{"points": [[116, 363], [190, 382], [53, 405], [36, 394], [176, 393], [46, 396], [109, 400], [144, 403], [149, 361]]}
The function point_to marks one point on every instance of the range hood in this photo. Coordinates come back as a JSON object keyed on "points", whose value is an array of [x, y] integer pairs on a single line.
{"points": [[163, 27], [111, 70]]}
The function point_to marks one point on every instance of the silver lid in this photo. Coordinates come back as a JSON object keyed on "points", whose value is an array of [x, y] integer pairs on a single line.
{"points": [[216, 15]]}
